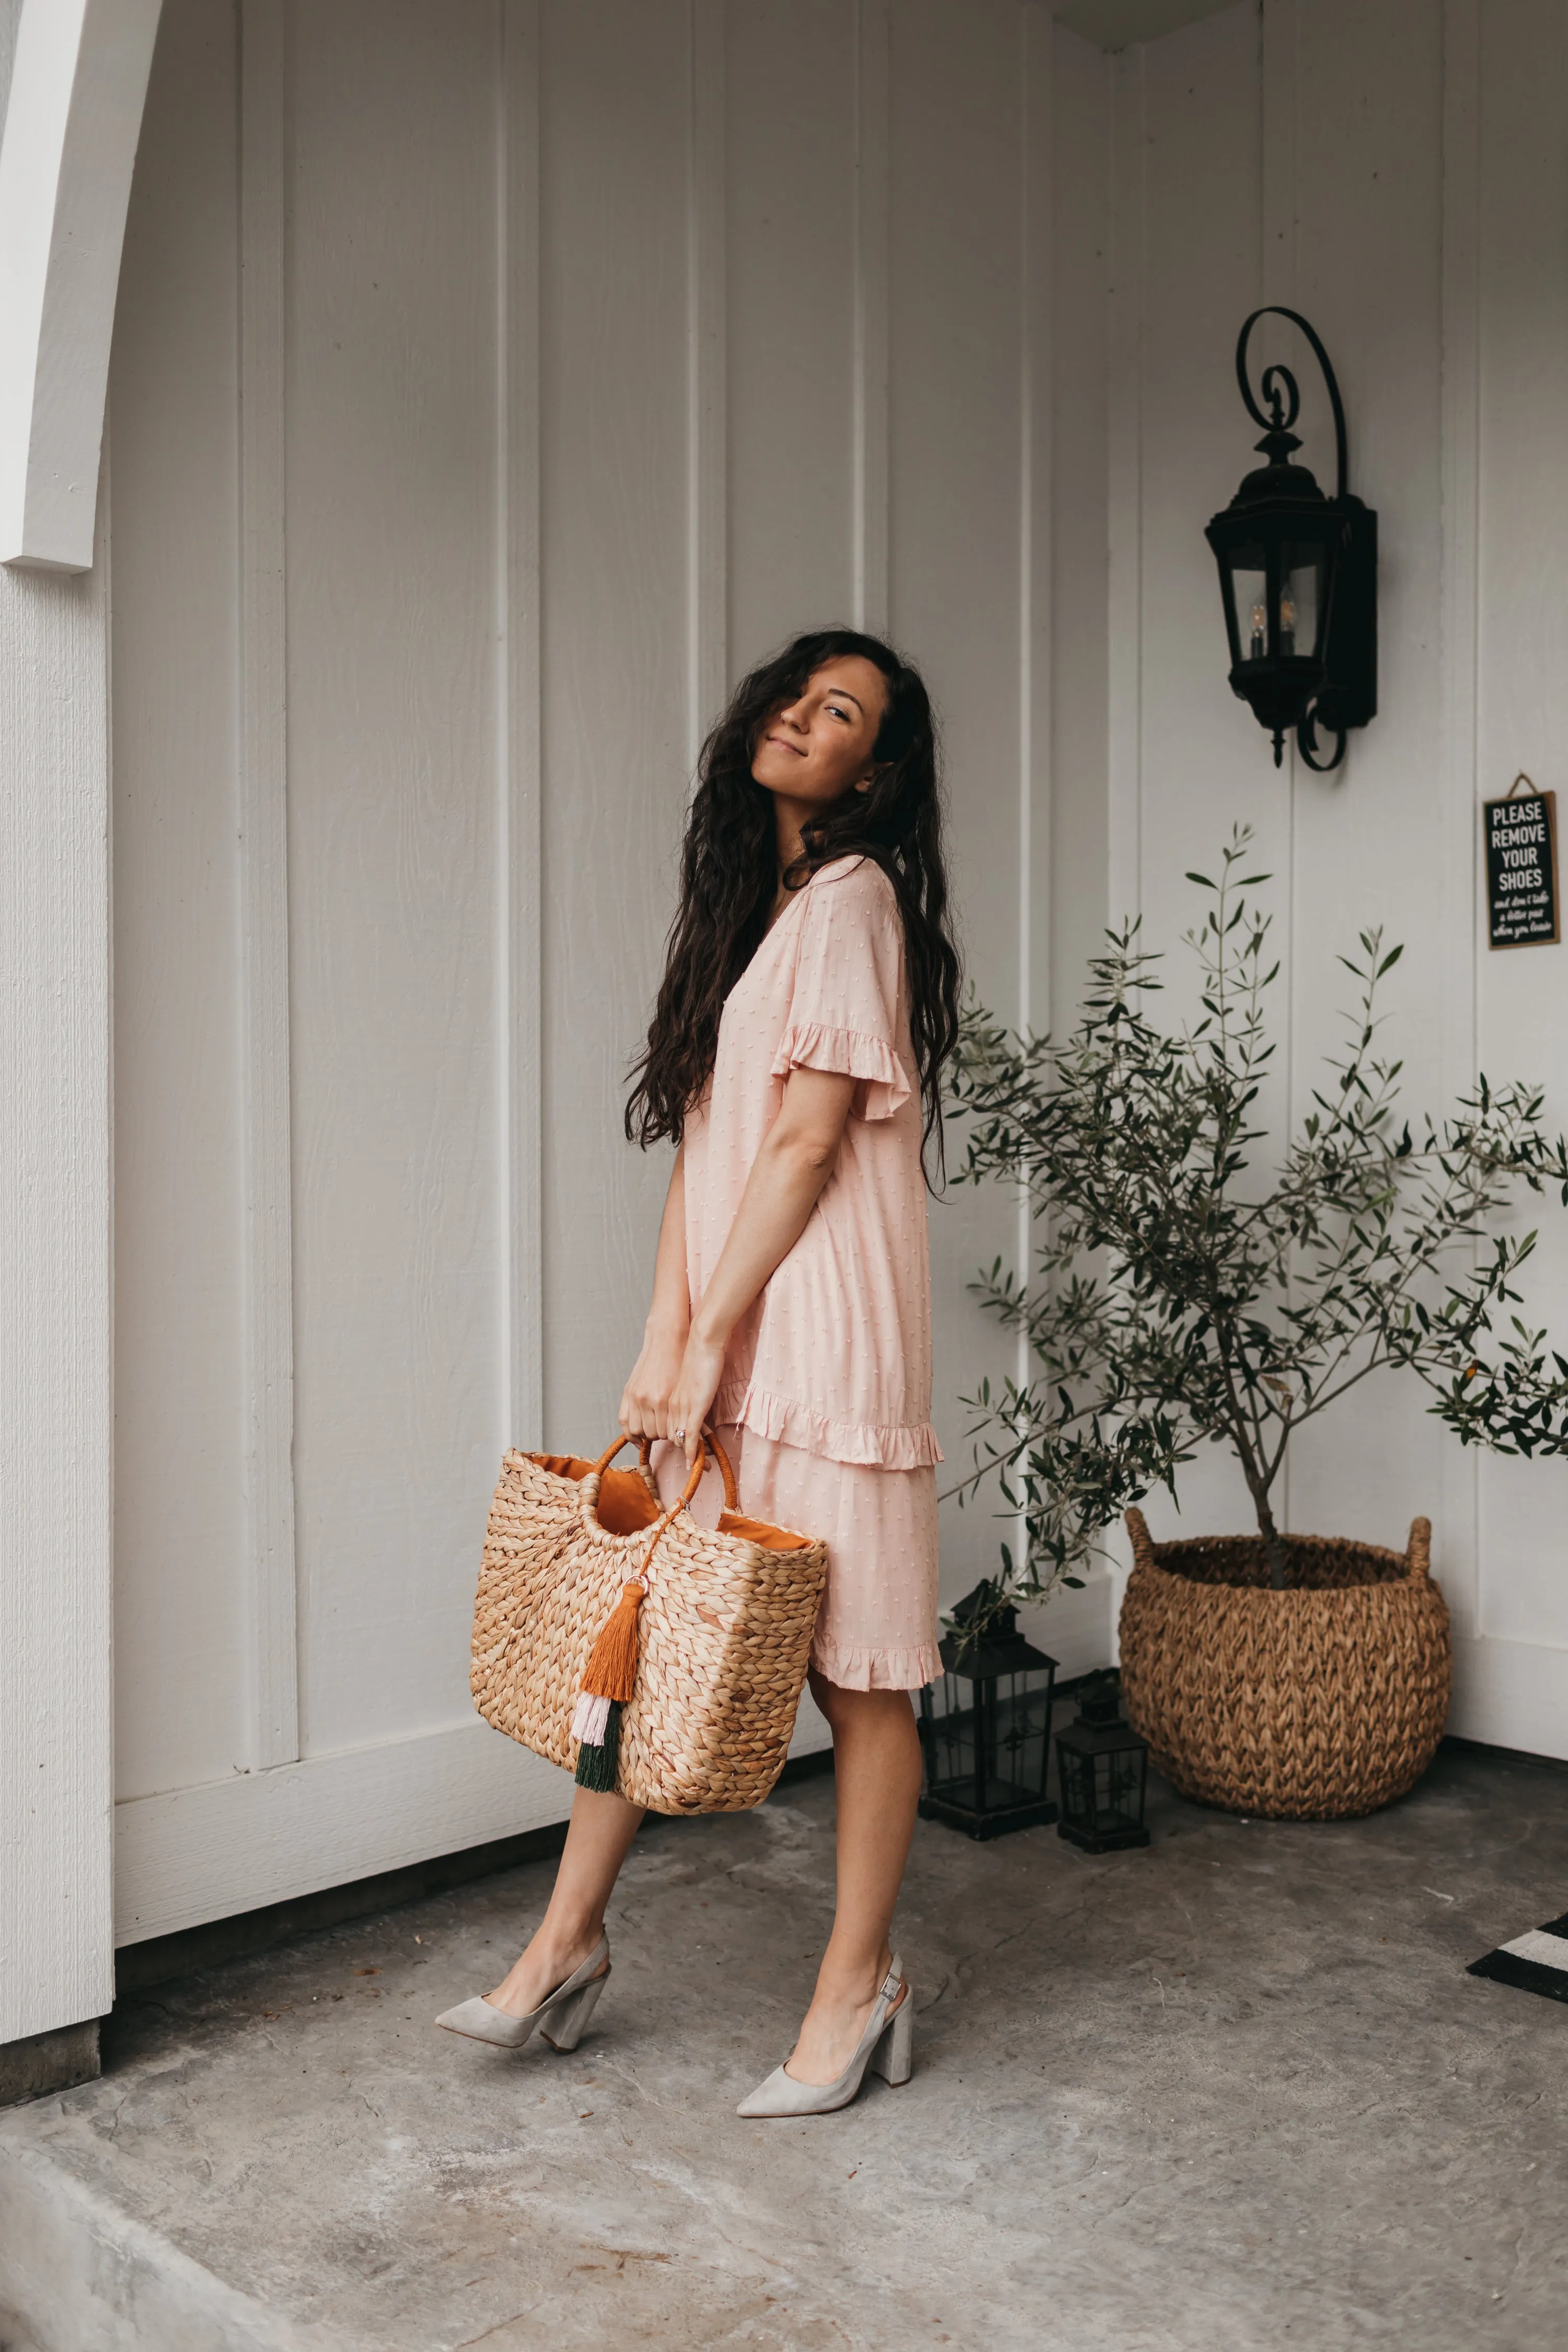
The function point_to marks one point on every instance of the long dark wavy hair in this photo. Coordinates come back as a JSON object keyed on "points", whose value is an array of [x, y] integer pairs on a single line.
{"points": [[729, 879]]}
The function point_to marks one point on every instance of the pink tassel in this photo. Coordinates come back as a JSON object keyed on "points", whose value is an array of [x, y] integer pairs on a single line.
{"points": [[591, 1719]]}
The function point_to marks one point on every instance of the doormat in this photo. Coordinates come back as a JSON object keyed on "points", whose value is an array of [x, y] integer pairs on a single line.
{"points": [[1536, 1961]]}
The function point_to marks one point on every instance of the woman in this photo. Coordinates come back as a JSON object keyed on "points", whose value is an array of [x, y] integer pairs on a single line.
{"points": [[809, 971]]}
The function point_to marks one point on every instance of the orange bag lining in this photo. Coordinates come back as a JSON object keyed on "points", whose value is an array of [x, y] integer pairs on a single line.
{"points": [[626, 1506], [757, 1531], [626, 1503]]}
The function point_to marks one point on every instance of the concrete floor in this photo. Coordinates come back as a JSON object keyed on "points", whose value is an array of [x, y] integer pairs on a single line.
{"points": [[1231, 2092]]}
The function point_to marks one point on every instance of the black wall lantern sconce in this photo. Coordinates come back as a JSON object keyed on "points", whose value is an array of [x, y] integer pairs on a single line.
{"points": [[1298, 575]]}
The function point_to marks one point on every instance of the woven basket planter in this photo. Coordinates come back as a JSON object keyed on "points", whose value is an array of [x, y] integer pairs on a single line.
{"points": [[1314, 1704]]}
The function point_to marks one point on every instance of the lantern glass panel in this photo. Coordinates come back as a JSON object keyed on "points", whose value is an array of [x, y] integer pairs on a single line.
{"points": [[1302, 600], [1249, 596], [1103, 1795]]}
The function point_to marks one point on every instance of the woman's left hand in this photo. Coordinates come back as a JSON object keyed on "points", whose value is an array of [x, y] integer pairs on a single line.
{"points": [[696, 1386]]}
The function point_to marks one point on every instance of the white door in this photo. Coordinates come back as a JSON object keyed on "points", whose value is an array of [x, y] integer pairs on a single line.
{"points": [[494, 379]]}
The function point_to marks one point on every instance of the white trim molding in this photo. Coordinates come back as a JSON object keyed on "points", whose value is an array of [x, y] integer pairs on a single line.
{"points": [[78, 88], [188, 1855], [55, 1579], [225, 1846]]}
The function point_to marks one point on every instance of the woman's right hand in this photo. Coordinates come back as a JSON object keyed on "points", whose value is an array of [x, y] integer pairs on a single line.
{"points": [[645, 1401]]}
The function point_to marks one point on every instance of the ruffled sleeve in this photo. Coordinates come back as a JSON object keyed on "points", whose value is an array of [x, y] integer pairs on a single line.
{"points": [[848, 974]]}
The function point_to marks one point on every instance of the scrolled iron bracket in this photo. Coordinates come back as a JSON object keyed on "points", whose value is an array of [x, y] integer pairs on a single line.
{"points": [[1277, 373]]}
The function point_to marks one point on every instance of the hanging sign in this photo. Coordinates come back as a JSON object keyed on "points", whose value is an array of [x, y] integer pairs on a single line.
{"points": [[1521, 866]]}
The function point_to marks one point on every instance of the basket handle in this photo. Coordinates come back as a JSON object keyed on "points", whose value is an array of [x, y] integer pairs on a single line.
{"points": [[693, 1481], [1138, 1528], [709, 1444]]}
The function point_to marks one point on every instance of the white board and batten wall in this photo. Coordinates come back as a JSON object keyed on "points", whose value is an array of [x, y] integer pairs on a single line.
{"points": [[494, 380], [492, 383], [1397, 170]]}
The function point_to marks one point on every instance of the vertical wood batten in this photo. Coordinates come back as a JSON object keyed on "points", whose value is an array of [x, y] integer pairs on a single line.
{"points": [[706, 434], [1036, 441], [1034, 574], [1124, 524], [1460, 916], [1078, 845], [519, 592], [269, 1275], [1035, 408], [869, 589], [1278, 203]]}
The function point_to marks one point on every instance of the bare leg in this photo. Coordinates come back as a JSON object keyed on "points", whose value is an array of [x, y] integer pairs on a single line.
{"points": [[601, 1830], [876, 1770]]}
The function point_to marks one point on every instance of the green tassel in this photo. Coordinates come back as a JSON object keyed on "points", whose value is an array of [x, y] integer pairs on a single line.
{"points": [[596, 1765]]}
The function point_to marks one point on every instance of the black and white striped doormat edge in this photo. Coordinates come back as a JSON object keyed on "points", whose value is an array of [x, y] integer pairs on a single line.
{"points": [[1536, 1961]]}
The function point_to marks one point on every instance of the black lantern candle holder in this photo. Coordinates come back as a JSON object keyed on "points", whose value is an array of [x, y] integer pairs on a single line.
{"points": [[985, 1728], [1102, 1769], [1298, 575]]}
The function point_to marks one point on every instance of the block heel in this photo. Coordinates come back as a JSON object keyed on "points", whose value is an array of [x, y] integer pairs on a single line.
{"points": [[567, 2024], [894, 2056]]}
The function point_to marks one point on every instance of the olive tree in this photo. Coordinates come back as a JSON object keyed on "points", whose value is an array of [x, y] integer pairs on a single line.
{"points": [[1182, 1294]]}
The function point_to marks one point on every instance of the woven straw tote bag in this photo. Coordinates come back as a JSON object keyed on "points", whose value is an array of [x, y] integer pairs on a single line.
{"points": [[649, 1654]]}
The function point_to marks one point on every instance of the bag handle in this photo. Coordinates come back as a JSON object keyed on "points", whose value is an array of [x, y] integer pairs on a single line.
{"points": [[609, 1679], [709, 1444]]}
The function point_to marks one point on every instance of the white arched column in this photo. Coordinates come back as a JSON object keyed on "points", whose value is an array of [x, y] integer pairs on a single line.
{"points": [[79, 80], [77, 87]]}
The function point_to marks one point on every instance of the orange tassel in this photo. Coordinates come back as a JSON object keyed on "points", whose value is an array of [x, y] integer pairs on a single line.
{"points": [[613, 1661]]}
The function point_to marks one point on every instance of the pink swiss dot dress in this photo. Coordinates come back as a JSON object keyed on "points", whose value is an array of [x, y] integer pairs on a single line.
{"points": [[827, 1387]]}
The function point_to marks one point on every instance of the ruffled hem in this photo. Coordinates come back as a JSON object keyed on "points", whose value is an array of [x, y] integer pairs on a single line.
{"points": [[851, 1054], [876, 1669], [894, 1446]]}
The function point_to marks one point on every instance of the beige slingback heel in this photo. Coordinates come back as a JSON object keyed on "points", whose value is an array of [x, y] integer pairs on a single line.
{"points": [[887, 2047], [561, 2016]]}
